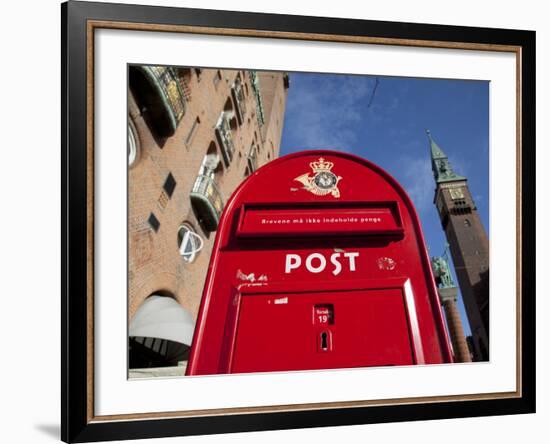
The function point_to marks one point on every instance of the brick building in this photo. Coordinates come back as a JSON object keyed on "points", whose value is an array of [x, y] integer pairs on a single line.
{"points": [[193, 136]]}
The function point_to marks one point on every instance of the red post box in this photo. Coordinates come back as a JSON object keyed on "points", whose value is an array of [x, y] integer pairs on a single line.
{"points": [[319, 262]]}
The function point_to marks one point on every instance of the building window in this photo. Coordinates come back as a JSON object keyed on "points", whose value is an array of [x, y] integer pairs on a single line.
{"points": [[286, 80], [133, 144], [211, 164], [192, 132], [467, 223], [154, 222], [198, 73], [189, 242], [444, 219], [217, 78], [252, 159], [169, 185]]}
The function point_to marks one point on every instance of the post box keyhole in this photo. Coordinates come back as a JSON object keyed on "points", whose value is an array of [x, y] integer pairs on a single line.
{"points": [[324, 340]]}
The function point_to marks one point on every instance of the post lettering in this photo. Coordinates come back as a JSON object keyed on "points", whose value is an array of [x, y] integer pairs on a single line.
{"points": [[317, 262], [337, 266], [322, 263], [293, 261], [351, 256]]}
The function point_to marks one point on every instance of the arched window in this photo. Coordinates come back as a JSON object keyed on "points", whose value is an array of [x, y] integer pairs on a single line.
{"points": [[211, 165], [189, 242]]}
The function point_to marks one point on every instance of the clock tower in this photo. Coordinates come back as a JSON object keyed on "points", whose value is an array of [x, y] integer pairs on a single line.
{"points": [[468, 243]]}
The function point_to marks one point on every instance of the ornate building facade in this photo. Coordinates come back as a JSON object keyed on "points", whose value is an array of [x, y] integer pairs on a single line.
{"points": [[468, 243], [193, 136]]}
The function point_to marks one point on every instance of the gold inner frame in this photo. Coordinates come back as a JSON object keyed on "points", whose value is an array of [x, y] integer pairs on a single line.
{"points": [[92, 25]]}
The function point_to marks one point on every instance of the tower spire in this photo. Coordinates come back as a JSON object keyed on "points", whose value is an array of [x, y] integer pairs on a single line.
{"points": [[442, 169]]}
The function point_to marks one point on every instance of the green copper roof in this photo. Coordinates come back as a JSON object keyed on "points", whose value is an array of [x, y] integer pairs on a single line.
{"points": [[442, 169], [437, 153]]}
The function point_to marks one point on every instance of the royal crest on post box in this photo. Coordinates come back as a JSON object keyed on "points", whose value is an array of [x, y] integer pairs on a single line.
{"points": [[319, 263], [324, 181]]}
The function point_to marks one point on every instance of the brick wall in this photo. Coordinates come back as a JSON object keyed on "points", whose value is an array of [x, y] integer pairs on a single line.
{"points": [[154, 262]]}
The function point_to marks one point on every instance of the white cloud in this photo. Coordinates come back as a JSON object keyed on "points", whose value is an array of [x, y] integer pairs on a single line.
{"points": [[417, 178], [460, 165], [323, 114]]}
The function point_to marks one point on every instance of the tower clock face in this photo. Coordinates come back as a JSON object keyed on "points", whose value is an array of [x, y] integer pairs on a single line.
{"points": [[456, 193]]}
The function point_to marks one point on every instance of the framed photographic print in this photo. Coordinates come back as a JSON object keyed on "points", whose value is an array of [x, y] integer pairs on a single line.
{"points": [[279, 221]]}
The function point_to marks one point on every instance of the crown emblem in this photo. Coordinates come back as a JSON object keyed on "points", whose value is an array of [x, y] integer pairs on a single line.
{"points": [[321, 165], [323, 181]]}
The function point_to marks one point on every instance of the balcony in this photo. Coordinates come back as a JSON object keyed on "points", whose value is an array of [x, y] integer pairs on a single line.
{"points": [[239, 99], [225, 136], [207, 202], [160, 95], [259, 102]]}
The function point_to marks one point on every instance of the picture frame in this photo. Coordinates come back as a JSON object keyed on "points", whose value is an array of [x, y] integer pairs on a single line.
{"points": [[80, 20]]}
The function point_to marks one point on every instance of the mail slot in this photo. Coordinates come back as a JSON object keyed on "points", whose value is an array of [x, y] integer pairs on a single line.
{"points": [[319, 262], [353, 219]]}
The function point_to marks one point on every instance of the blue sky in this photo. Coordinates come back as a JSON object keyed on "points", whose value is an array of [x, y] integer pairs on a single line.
{"points": [[384, 120]]}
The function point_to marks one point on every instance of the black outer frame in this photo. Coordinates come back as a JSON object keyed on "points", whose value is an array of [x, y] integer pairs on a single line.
{"points": [[74, 423]]}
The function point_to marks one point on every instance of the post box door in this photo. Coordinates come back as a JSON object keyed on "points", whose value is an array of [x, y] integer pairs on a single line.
{"points": [[279, 332]]}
